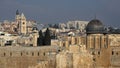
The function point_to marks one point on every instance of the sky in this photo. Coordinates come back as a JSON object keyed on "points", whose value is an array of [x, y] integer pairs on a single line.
{"points": [[61, 11]]}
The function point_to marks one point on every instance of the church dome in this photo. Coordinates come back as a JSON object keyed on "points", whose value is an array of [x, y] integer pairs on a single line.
{"points": [[95, 26]]}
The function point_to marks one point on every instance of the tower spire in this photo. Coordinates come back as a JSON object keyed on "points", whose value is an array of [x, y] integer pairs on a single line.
{"points": [[17, 12]]}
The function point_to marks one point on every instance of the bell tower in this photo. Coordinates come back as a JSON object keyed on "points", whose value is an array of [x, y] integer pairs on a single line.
{"points": [[17, 17], [23, 24]]}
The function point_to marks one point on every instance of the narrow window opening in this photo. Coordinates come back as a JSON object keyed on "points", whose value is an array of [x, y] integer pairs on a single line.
{"points": [[98, 52], [44, 54], [4, 54], [38, 53], [117, 53], [10, 54], [32, 54], [93, 53], [112, 52], [21, 54], [94, 59]]}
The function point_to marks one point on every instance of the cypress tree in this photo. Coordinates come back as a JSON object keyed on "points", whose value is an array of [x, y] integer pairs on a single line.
{"points": [[40, 39], [47, 38]]}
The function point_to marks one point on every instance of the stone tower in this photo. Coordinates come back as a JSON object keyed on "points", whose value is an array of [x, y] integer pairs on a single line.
{"points": [[21, 23], [17, 17]]}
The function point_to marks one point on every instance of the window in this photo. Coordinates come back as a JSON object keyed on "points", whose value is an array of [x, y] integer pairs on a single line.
{"points": [[117, 53], [10, 54], [63, 44], [112, 52], [98, 52], [93, 53], [32, 54], [23, 22], [21, 54], [38, 53], [44, 54], [58, 50], [94, 59], [4, 54]]}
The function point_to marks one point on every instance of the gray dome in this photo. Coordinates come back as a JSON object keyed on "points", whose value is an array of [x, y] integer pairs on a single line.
{"points": [[35, 28], [95, 26]]}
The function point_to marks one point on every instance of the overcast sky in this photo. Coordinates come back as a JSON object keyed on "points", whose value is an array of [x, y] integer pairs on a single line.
{"points": [[57, 11]]}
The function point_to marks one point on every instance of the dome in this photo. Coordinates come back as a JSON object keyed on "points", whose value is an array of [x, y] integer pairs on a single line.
{"points": [[35, 28], [94, 26]]}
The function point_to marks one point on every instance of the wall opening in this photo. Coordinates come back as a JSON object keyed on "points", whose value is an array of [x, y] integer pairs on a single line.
{"points": [[32, 54], [44, 54], [10, 53], [4, 54], [38, 53], [21, 53], [98, 52], [112, 52], [94, 59], [117, 53]]}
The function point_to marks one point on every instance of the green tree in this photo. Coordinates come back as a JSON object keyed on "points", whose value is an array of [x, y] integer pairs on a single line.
{"points": [[40, 39], [47, 37]]}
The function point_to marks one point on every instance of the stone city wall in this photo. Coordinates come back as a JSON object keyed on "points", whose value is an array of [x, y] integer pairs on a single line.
{"points": [[26, 57]]}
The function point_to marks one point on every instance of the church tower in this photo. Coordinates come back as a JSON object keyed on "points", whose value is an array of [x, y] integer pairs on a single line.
{"points": [[22, 24], [17, 17]]}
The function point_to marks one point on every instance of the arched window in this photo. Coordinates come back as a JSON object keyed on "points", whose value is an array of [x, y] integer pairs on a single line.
{"points": [[32, 54], [112, 52], [38, 53], [4, 54]]}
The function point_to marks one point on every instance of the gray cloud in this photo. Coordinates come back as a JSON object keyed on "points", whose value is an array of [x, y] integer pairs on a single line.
{"points": [[52, 11]]}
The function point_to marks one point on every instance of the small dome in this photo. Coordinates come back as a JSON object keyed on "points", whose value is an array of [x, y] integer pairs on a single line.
{"points": [[95, 26], [35, 28]]}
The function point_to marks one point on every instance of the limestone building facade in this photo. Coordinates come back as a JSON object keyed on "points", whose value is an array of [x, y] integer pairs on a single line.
{"points": [[102, 45]]}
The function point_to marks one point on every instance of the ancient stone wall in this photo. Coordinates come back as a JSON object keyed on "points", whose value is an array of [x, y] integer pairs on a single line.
{"points": [[25, 57], [75, 57]]}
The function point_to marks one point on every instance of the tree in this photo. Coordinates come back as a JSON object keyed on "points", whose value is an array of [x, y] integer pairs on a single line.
{"points": [[77, 25], [47, 38], [40, 39]]}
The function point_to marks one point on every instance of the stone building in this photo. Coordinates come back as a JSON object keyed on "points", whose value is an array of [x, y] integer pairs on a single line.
{"points": [[97, 48], [28, 57], [23, 26], [19, 26], [81, 25], [24, 31], [102, 45]]}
